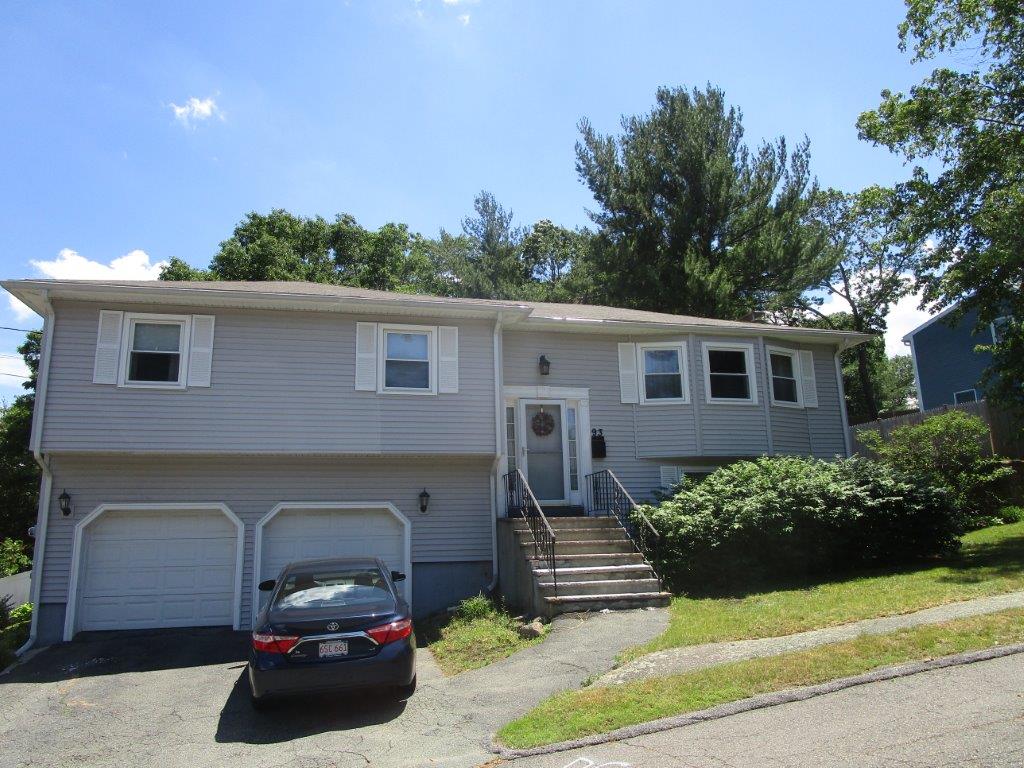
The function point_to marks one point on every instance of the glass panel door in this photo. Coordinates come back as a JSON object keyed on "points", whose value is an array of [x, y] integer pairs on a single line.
{"points": [[545, 450]]}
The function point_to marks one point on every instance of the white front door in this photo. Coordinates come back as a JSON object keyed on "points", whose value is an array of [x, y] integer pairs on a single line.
{"points": [[543, 448]]}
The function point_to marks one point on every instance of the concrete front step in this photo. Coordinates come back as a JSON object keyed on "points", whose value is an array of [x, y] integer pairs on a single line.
{"points": [[586, 546], [589, 559], [579, 534], [614, 602], [597, 573], [566, 523], [600, 587]]}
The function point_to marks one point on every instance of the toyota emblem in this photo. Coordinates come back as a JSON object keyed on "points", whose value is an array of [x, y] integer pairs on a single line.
{"points": [[333, 626]]}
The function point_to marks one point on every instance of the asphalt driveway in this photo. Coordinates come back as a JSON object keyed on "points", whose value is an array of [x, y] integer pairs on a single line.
{"points": [[178, 698]]}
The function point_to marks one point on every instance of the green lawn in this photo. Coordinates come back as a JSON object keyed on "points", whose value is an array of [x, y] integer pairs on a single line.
{"points": [[479, 634], [991, 562], [574, 714]]}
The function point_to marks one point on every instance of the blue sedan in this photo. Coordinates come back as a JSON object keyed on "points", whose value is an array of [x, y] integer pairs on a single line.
{"points": [[331, 625]]}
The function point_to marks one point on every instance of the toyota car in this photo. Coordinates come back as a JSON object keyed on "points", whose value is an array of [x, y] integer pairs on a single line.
{"points": [[331, 625]]}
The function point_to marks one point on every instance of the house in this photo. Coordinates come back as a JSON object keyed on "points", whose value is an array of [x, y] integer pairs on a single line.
{"points": [[196, 436], [948, 367]]}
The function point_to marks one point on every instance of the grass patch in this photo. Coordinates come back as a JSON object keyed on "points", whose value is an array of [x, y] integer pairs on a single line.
{"points": [[991, 562], [574, 714], [477, 634]]}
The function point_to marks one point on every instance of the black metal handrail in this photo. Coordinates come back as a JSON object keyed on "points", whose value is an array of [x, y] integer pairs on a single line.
{"points": [[606, 495], [522, 502]]}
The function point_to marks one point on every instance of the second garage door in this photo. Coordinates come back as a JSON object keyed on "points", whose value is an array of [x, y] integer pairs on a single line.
{"points": [[305, 533], [166, 568]]}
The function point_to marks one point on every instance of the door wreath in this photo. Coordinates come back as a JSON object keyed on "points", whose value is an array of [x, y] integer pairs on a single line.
{"points": [[542, 424]]}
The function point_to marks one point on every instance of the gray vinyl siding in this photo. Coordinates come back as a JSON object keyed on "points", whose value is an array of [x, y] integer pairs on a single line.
{"points": [[642, 437], [811, 431], [947, 362], [281, 382], [457, 527]]}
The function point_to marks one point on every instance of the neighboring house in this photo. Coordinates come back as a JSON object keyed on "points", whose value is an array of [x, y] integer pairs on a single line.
{"points": [[197, 436], [947, 367]]}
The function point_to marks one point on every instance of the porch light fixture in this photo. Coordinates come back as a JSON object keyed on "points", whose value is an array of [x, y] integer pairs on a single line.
{"points": [[65, 503], [424, 500], [545, 365]]}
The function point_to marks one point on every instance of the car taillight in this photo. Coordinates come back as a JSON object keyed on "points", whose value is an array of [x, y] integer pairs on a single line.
{"points": [[273, 643], [388, 633]]}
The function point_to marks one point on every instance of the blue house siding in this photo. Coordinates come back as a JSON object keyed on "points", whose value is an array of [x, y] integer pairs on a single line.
{"points": [[946, 360]]}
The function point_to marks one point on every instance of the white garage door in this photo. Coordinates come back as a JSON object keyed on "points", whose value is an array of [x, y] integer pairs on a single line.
{"points": [[302, 534], [166, 568]]}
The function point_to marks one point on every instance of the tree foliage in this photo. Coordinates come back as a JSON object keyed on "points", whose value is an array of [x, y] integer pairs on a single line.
{"points": [[968, 122], [19, 472], [691, 220]]}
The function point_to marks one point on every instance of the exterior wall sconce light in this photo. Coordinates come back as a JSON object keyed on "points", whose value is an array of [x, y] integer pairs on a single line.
{"points": [[65, 503], [545, 365], [424, 500]]}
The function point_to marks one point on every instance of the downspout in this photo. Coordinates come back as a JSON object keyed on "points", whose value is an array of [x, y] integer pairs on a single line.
{"points": [[842, 405], [35, 440], [499, 448]]}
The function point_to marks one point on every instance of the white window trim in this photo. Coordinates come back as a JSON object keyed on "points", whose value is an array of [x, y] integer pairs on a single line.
{"points": [[748, 350], [185, 337], [994, 323], [684, 372], [793, 355], [382, 358], [961, 391]]}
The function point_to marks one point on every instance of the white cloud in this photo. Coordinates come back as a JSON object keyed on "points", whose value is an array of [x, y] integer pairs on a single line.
{"points": [[70, 265], [11, 369], [460, 2], [464, 19], [196, 111]]}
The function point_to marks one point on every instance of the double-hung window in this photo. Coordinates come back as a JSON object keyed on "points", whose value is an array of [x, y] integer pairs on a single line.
{"points": [[155, 351], [408, 360], [784, 365], [729, 373], [663, 373], [999, 329]]}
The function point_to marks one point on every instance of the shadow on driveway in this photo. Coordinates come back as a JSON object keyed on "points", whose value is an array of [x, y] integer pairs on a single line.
{"points": [[148, 650], [299, 717]]}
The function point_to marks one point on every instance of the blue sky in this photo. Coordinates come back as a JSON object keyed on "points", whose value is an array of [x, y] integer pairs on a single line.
{"points": [[134, 132]]}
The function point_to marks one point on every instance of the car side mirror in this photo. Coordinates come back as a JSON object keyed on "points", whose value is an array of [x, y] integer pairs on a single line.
{"points": [[397, 576], [266, 586]]}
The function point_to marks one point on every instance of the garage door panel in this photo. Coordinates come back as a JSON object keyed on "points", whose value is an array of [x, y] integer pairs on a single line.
{"points": [[158, 568], [306, 534]]}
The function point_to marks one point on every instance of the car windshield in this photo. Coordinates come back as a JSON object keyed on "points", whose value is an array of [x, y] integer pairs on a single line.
{"points": [[334, 587]]}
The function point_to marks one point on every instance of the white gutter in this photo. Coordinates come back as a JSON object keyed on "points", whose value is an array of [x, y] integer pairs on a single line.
{"points": [[842, 406], [35, 440], [917, 373], [499, 447]]}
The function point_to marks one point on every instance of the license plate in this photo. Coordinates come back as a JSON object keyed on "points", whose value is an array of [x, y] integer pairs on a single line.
{"points": [[333, 648]]}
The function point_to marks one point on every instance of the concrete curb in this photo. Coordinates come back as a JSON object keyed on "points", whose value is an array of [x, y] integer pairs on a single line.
{"points": [[763, 701]]}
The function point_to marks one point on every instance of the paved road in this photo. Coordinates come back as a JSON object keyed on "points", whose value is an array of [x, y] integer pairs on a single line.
{"points": [[178, 698], [963, 716]]}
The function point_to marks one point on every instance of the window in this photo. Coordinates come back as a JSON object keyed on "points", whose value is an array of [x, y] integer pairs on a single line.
{"points": [[785, 374], [408, 358], [965, 396], [571, 439], [999, 328], [156, 351], [729, 373], [663, 367], [510, 437]]}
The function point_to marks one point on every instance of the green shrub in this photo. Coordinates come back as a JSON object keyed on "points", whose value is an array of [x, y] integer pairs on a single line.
{"points": [[779, 519], [14, 629], [479, 607], [13, 558], [947, 450]]}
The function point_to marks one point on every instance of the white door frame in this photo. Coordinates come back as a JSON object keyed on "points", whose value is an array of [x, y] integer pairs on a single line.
{"points": [[76, 551], [568, 397], [524, 454], [340, 506]]}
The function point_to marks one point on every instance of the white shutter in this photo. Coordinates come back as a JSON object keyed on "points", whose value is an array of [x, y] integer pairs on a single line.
{"points": [[807, 381], [670, 475], [628, 386], [366, 357], [108, 347], [200, 353], [447, 359]]}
